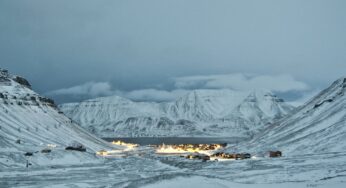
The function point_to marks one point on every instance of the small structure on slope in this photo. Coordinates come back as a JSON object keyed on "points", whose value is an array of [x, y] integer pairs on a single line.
{"points": [[275, 154], [76, 146]]}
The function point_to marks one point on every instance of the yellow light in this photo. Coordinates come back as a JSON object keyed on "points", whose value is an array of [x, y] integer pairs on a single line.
{"points": [[102, 153]]}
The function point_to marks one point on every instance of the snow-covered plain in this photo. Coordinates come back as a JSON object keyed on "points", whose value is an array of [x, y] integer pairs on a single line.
{"points": [[145, 169], [204, 182]]}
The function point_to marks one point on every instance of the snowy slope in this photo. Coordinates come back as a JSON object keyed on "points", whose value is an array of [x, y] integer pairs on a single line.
{"points": [[198, 113], [205, 105], [316, 127], [261, 107], [36, 122]]}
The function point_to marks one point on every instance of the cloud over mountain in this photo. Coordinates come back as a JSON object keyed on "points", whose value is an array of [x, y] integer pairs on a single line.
{"points": [[182, 85], [280, 83]]}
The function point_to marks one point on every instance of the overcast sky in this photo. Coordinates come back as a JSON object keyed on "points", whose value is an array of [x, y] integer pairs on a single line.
{"points": [[160, 49]]}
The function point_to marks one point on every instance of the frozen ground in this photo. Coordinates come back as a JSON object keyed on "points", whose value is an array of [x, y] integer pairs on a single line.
{"points": [[142, 168], [203, 182]]}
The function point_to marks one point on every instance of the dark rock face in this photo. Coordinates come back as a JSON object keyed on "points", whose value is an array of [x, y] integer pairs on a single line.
{"points": [[46, 150], [4, 79], [184, 122], [4, 71], [320, 104], [344, 83], [75, 149], [48, 101], [28, 154], [22, 81], [164, 122]]}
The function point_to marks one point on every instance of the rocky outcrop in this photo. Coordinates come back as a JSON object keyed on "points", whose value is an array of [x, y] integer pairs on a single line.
{"points": [[22, 81]]}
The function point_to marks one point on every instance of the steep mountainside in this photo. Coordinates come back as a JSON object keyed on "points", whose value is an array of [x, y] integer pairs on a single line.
{"points": [[198, 113], [316, 127], [29, 123]]}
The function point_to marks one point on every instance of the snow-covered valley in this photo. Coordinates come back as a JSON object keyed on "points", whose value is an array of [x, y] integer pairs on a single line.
{"points": [[310, 137]]}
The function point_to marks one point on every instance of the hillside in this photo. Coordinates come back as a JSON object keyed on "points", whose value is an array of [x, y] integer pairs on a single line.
{"points": [[318, 126], [30, 123]]}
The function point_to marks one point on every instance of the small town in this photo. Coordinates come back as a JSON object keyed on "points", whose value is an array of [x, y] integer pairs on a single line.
{"points": [[203, 152], [189, 148], [206, 152], [121, 143]]}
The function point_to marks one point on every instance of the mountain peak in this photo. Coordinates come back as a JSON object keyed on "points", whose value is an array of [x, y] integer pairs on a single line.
{"points": [[263, 95], [6, 79], [262, 106]]}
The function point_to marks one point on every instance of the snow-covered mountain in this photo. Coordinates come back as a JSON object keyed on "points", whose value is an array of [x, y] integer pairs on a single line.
{"points": [[30, 122], [318, 126], [198, 113]]}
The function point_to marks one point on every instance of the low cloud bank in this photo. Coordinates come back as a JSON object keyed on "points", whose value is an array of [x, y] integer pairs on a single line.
{"points": [[182, 85], [281, 83]]}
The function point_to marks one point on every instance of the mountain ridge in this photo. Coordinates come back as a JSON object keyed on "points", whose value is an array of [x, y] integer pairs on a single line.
{"points": [[318, 126], [199, 112]]}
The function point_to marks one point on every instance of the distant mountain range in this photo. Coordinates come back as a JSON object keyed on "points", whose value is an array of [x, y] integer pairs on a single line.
{"points": [[224, 112]]}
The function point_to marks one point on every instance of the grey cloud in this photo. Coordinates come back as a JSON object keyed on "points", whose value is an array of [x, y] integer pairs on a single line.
{"points": [[304, 97], [243, 82], [239, 81], [155, 95], [136, 44], [92, 89], [98, 89]]}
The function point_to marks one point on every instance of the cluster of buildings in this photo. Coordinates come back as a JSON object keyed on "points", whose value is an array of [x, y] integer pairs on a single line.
{"points": [[121, 143], [204, 152], [202, 157], [231, 156], [102, 153], [109, 153], [236, 156], [193, 148]]}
